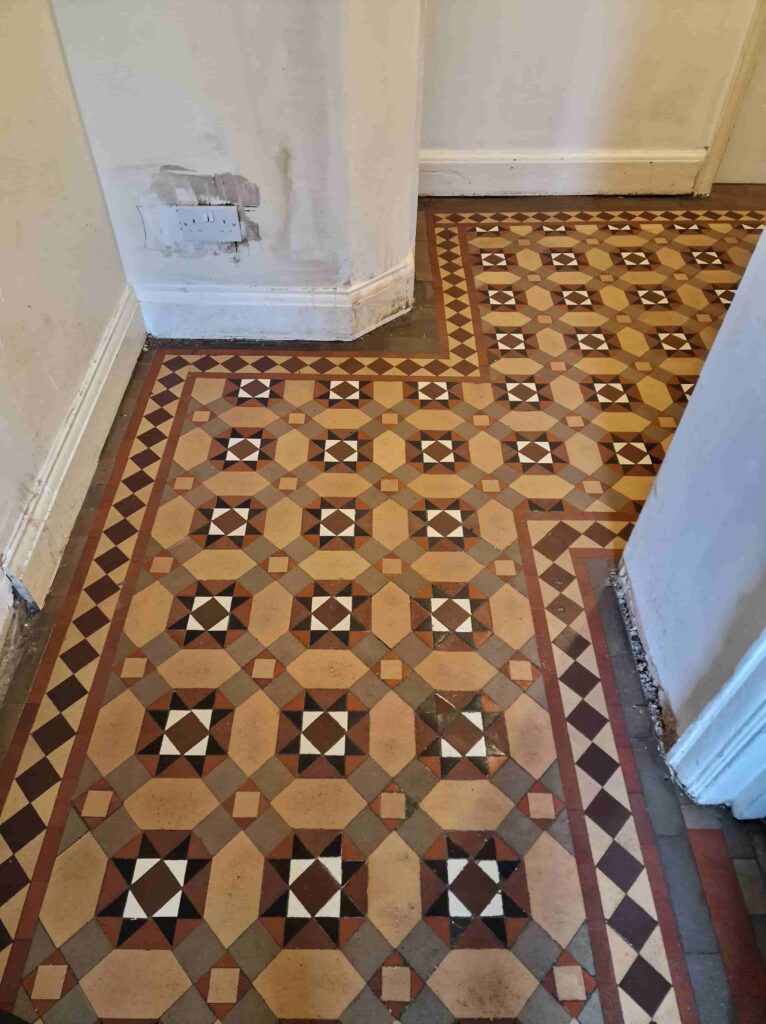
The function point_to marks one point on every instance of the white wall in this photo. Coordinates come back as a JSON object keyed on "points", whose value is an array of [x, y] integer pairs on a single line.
{"points": [[61, 285], [313, 106], [601, 95], [744, 160], [696, 560]]}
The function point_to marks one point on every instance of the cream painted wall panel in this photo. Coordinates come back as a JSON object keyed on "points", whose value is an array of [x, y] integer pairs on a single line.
{"points": [[632, 90], [744, 160], [313, 104], [61, 279]]}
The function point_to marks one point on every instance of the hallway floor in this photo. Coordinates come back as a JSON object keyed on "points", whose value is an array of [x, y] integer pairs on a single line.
{"points": [[337, 721]]}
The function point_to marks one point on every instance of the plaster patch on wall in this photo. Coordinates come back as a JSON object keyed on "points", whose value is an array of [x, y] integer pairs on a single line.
{"points": [[173, 185]]}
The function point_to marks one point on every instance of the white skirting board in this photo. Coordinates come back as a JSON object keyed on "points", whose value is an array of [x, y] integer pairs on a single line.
{"points": [[465, 172], [215, 312], [38, 542]]}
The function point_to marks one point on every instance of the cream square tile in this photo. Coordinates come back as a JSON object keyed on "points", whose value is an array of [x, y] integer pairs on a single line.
{"points": [[396, 985]]}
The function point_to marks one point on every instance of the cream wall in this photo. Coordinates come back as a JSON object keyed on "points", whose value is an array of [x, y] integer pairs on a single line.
{"points": [[744, 160], [61, 284], [602, 95], [313, 106]]}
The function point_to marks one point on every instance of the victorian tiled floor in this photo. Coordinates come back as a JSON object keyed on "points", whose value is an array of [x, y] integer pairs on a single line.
{"points": [[327, 729]]}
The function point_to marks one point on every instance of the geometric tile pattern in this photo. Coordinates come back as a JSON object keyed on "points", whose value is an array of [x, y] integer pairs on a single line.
{"points": [[324, 703]]}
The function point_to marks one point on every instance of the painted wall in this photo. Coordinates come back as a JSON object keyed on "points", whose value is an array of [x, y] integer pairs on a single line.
{"points": [[310, 106], [540, 95], [60, 273], [745, 157], [697, 557]]}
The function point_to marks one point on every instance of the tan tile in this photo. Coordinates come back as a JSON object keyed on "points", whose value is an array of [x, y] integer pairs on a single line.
{"points": [[389, 418], [96, 803], [192, 448], [479, 395], [116, 732], [49, 981], [264, 668], [391, 566], [569, 982], [292, 450], [446, 566], [388, 451], [172, 522], [511, 616], [396, 984], [391, 619], [319, 669], [387, 392], [200, 416], [282, 523], [480, 420], [73, 889], [481, 984], [530, 736], [455, 670], [334, 565], [288, 483], [592, 487], [183, 483], [296, 419], [279, 564], [668, 422], [490, 486], [554, 889], [558, 366], [318, 803], [207, 389], [392, 733], [466, 804], [440, 485], [338, 485], [219, 565], [170, 803], [541, 806], [223, 985], [298, 392], [247, 804], [393, 889], [161, 565], [486, 453], [391, 669], [135, 984], [198, 669], [505, 567], [133, 668], [390, 526], [270, 613], [497, 525], [644, 367], [309, 984], [521, 671], [389, 485], [434, 419], [234, 889], [148, 614], [575, 421], [393, 805], [253, 737]]}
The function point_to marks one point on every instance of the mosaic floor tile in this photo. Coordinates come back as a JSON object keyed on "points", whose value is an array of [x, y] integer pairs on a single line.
{"points": [[324, 734]]}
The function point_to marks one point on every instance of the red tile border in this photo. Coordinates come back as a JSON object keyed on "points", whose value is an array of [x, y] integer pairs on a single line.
{"points": [[742, 960]]}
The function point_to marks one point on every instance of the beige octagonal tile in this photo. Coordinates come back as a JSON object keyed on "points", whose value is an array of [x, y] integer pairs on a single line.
{"points": [[73, 888], [456, 670], [466, 804], [320, 669], [482, 984], [170, 803], [309, 984], [318, 803], [135, 984], [201, 669]]}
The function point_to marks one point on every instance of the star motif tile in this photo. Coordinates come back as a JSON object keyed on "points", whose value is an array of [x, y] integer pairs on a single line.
{"points": [[452, 616], [314, 891], [209, 614], [474, 891], [442, 525], [228, 523], [185, 732], [461, 735], [337, 523], [330, 614], [153, 894], [323, 734]]}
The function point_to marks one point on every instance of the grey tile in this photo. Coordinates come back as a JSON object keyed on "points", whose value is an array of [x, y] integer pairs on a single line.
{"points": [[419, 831], [199, 951], [191, 1008], [251, 1009], [40, 949], [369, 779], [542, 1008], [423, 949], [519, 832], [513, 780], [697, 816], [686, 895], [591, 1012], [86, 948], [366, 1007], [536, 950], [74, 1008], [711, 989], [751, 884], [561, 832], [367, 831], [416, 780], [425, 1008], [759, 927], [253, 950], [580, 948], [659, 790], [367, 949]]}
